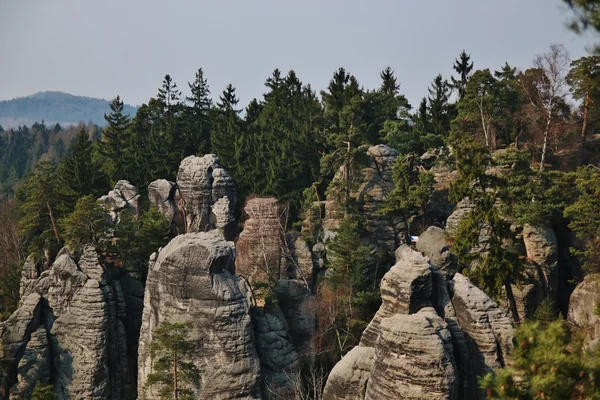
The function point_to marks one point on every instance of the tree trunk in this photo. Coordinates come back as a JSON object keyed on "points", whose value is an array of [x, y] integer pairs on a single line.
{"points": [[584, 128], [546, 132], [53, 222], [511, 302], [175, 377]]}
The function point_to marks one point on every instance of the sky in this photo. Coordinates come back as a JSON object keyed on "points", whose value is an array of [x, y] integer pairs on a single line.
{"points": [[125, 47]]}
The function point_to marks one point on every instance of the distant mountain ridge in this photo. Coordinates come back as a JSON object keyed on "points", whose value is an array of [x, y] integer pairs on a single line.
{"points": [[53, 107]]}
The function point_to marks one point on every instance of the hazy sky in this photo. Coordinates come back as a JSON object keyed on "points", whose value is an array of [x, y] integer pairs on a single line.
{"points": [[102, 48]]}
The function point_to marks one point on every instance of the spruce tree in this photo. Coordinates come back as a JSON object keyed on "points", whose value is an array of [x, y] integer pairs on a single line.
{"points": [[115, 141], [227, 126], [463, 68], [199, 116], [439, 116]]}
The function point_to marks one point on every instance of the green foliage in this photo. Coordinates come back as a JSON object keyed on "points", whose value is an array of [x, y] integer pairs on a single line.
{"points": [[440, 113], [114, 139], [587, 14], [548, 363], [584, 216], [170, 372], [413, 188], [463, 68], [137, 238], [43, 392], [546, 312], [85, 225]]}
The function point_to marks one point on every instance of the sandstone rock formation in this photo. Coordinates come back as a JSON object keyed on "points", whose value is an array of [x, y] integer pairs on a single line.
{"points": [[70, 328], [29, 275], [582, 307], [192, 280], [202, 182], [165, 196], [429, 339], [260, 246], [432, 243], [123, 196]]}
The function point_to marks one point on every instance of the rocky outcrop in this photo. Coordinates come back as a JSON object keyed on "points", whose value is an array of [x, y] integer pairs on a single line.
{"points": [[123, 196], [29, 276], [541, 247], [278, 359], [259, 247], [488, 329], [348, 379], [462, 210], [165, 196], [429, 339], [414, 359], [34, 366], [191, 280], [405, 289], [72, 329], [583, 305], [14, 337], [202, 182], [375, 186], [297, 305], [432, 243]]}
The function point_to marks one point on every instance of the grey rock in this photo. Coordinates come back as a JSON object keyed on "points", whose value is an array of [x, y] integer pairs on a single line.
{"points": [[582, 306], [462, 210], [161, 194], [34, 365], [14, 335], [123, 196], [348, 379], [29, 276], [414, 359], [405, 289], [297, 305], [488, 329], [192, 280], [90, 265], [202, 182], [432, 243], [278, 359], [541, 247]]}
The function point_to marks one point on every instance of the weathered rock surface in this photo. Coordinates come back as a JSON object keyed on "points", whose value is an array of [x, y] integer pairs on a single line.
{"points": [[462, 210], [202, 182], [29, 276], [297, 305], [582, 306], [348, 379], [405, 289], [488, 329], [278, 359], [34, 366], [425, 341], [192, 280], [14, 335], [414, 359], [432, 243], [260, 245], [123, 196], [541, 247]]}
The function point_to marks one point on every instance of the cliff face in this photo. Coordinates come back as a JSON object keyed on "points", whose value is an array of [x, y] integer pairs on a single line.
{"points": [[192, 280]]}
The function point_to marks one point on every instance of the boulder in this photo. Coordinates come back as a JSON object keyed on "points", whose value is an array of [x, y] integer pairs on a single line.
{"points": [[202, 182], [432, 243], [541, 247], [161, 194], [462, 210], [191, 280], [348, 379], [123, 196]]}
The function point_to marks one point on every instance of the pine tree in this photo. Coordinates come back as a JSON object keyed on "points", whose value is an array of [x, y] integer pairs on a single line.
{"points": [[41, 392], [174, 376], [389, 83], [463, 68], [85, 225], [549, 363], [168, 94], [199, 118]]}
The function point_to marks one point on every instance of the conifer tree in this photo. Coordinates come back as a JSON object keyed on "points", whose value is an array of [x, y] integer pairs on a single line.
{"points": [[439, 117], [199, 116], [85, 225], [226, 128], [174, 376], [463, 68], [115, 141]]}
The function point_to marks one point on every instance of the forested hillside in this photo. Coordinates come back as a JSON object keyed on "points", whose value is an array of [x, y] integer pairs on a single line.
{"points": [[52, 108]]}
